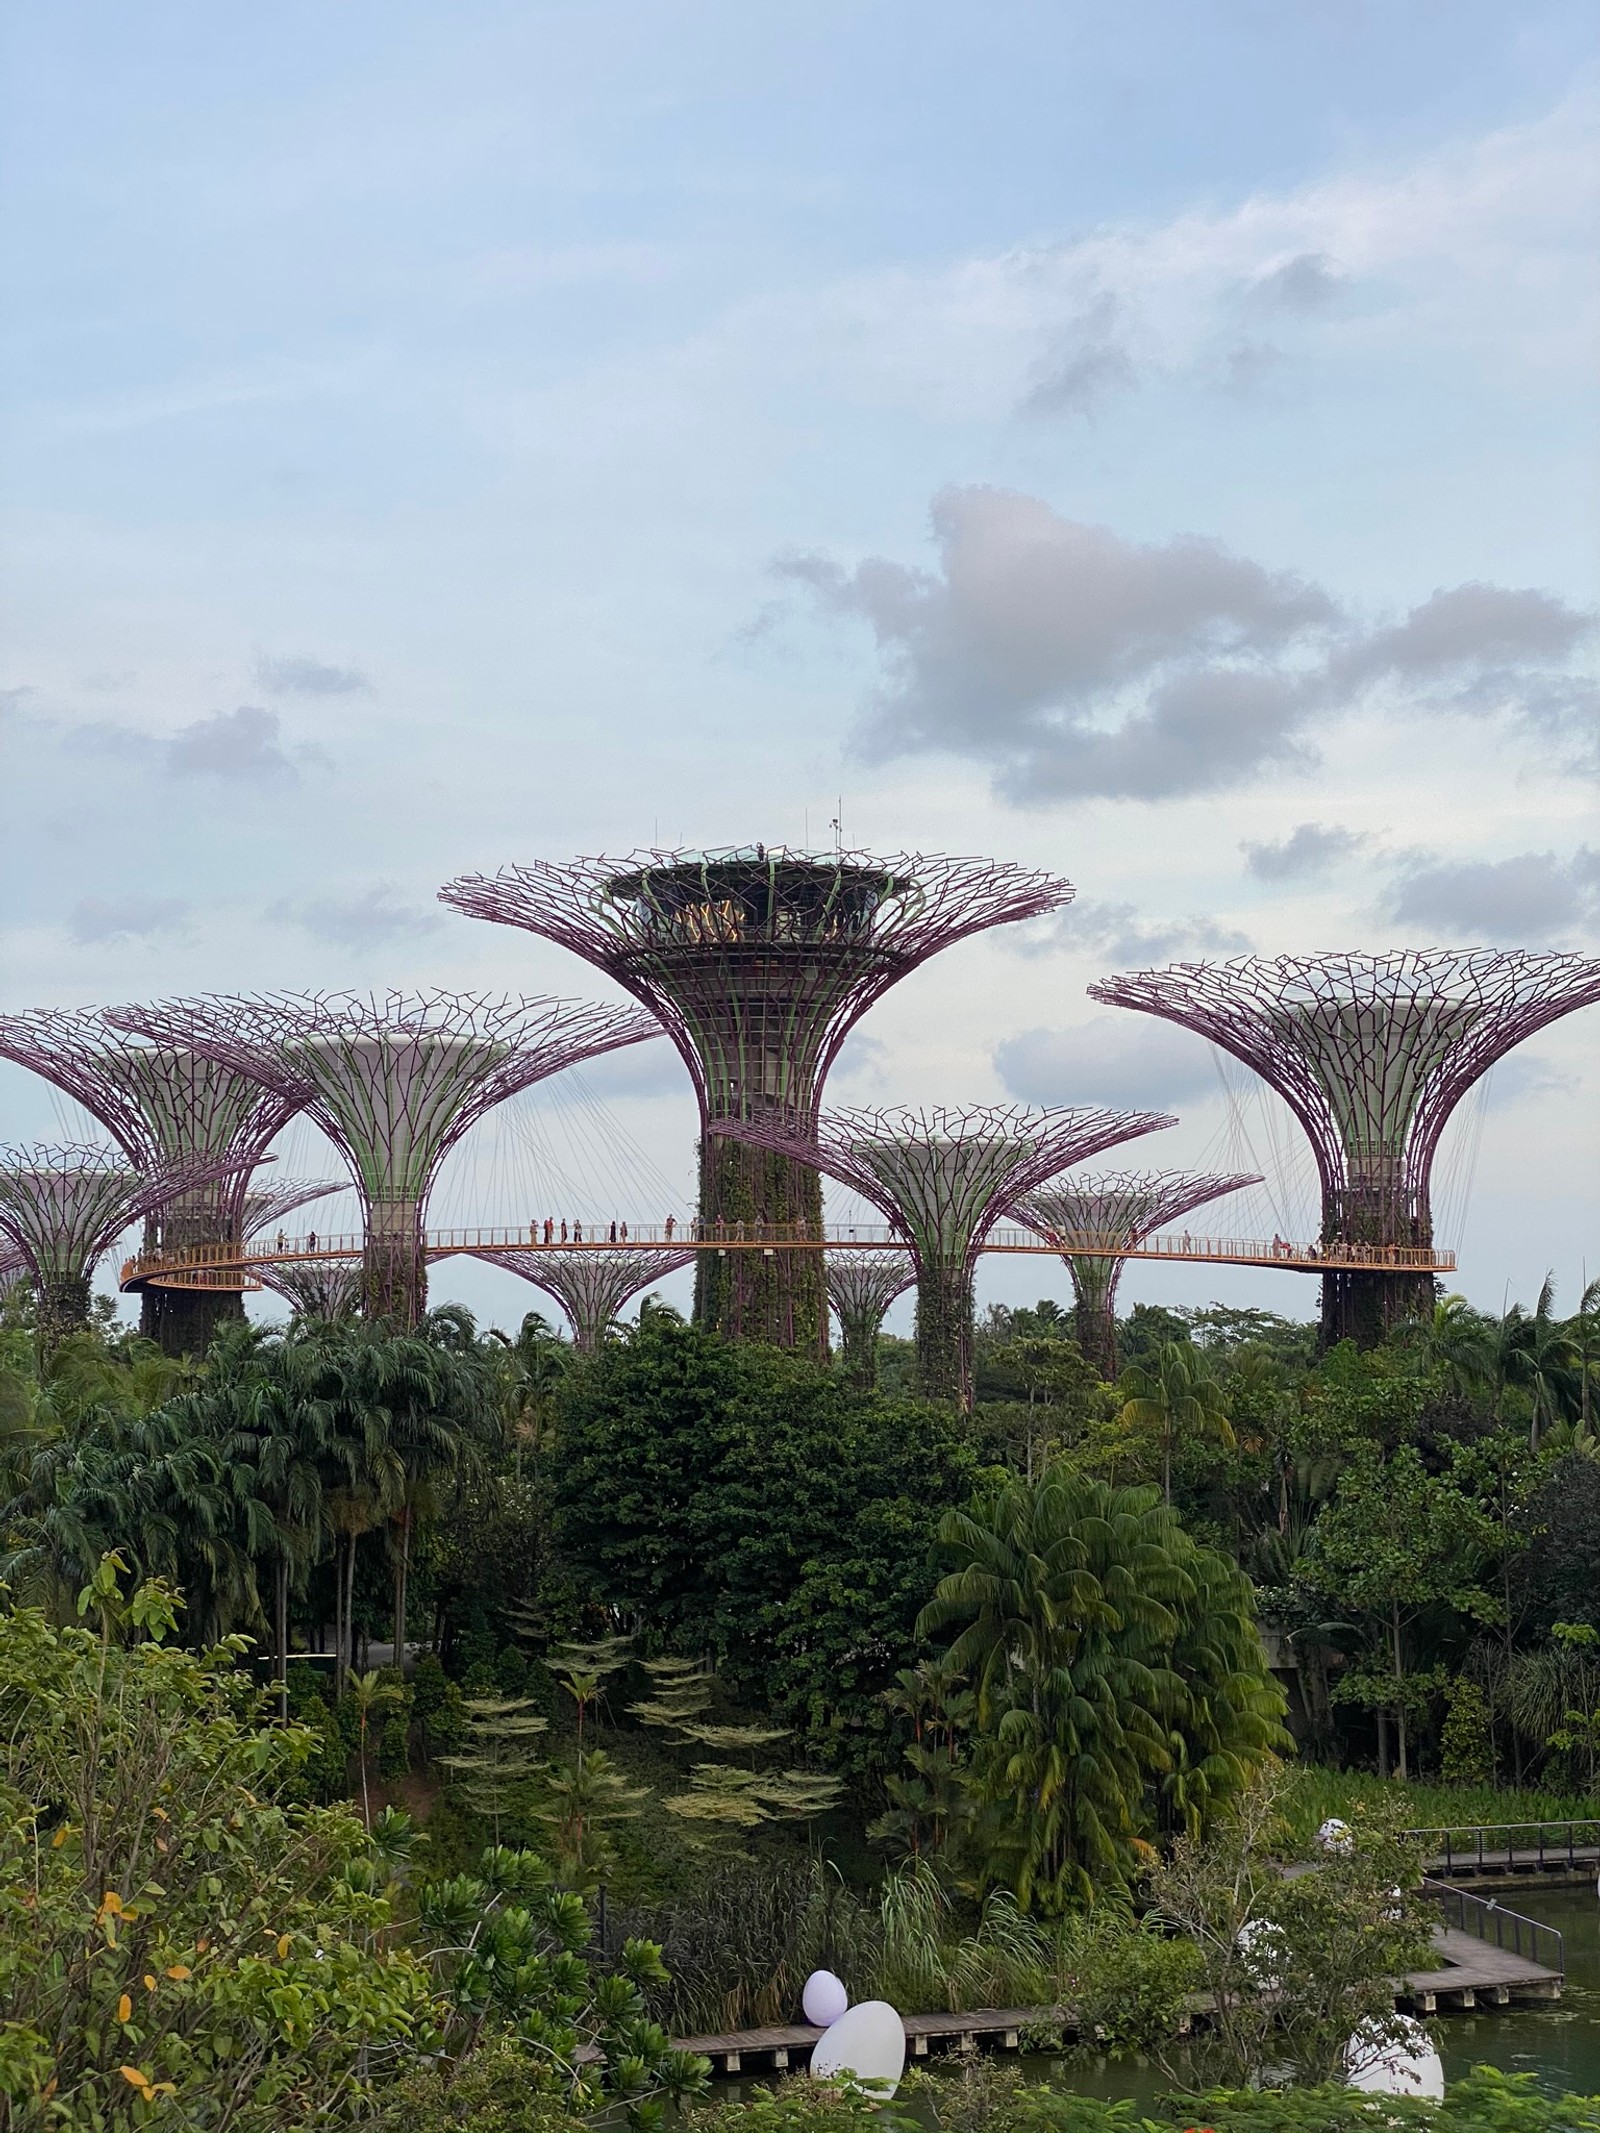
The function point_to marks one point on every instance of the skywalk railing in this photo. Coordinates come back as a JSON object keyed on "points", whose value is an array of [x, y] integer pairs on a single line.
{"points": [[555, 1233]]}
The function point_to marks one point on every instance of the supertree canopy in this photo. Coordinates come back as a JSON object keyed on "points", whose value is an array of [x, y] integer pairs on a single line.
{"points": [[1372, 1053], [162, 1103], [861, 1287], [13, 1268], [64, 1206], [328, 1286], [758, 962], [394, 1080], [943, 1177], [1095, 1219], [263, 1205], [590, 1286]]}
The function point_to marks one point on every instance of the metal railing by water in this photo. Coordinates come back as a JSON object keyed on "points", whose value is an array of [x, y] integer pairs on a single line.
{"points": [[1491, 1921], [1535, 1847]]}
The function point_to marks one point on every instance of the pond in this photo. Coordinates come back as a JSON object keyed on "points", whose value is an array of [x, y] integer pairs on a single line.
{"points": [[1558, 2042]]}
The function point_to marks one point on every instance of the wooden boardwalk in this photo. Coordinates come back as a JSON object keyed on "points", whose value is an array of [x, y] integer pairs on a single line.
{"points": [[1574, 1861], [1471, 1973]]}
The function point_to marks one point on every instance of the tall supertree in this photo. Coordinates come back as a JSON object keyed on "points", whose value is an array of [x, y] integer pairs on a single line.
{"points": [[64, 1206], [394, 1080], [1372, 1053], [861, 1287], [162, 1104], [327, 1286], [591, 1286], [1094, 1220], [943, 1178], [759, 962]]}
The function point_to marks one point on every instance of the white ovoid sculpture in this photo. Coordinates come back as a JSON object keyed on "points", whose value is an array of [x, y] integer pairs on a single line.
{"points": [[1336, 1838], [824, 1998], [1407, 2065], [868, 2041], [1262, 1947]]}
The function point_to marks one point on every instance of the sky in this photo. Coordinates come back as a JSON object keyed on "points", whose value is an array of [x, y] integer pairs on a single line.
{"points": [[1154, 443]]}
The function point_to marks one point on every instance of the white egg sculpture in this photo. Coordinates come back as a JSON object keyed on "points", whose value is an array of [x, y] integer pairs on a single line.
{"points": [[1335, 1836], [824, 1998], [869, 2041], [1261, 1944], [1394, 2066]]}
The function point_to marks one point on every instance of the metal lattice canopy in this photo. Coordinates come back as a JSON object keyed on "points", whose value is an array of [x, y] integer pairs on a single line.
{"points": [[861, 1287], [329, 1287], [265, 1204], [67, 1204], [394, 1080], [758, 961], [1113, 1212], [591, 1287], [13, 1268], [943, 1177], [161, 1103], [1371, 1052]]}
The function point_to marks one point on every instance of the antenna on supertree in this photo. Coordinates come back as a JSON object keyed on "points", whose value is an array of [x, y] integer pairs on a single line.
{"points": [[943, 1178], [64, 1206], [590, 1286], [1114, 1213], [861, 1287], [758, 961], [326, 1287], [394, 1080], [265, 1204], [1372, 1053], [162, 1104]]}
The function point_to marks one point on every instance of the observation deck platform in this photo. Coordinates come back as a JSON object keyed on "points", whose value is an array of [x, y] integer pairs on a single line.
{"points": [[238, 1267]]}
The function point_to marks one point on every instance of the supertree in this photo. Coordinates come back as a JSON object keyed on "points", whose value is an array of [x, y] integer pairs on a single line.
{"points": [[13, 1269], [265, 1204], [1372, 1053], [591, 1286], [394, 1080], [943, 1178], [161, 1104], [328, 1286], [64, 1206], [861, 1287], [1094, 1220], [758, 962]]}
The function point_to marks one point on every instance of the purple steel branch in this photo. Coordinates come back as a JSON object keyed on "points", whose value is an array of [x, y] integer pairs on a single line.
{"points": [[1371, 1052], [591, 1287]]}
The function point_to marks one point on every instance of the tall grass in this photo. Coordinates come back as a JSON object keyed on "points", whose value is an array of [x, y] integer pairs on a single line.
{"points": [[1312, 1794], [741, 1945]]}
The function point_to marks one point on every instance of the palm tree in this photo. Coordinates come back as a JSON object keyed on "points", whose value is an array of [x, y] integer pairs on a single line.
{"points": [[1178, 1397], [370, 1693], [1456, 1341], [1537, 1354], [1073, 1600]]}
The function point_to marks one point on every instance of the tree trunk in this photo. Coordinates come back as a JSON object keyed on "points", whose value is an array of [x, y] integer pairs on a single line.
{"points": [[741, 1291], [1383, 1742], [402, 1570], [944, 1332], [280, 1614], [1399, 1686]]}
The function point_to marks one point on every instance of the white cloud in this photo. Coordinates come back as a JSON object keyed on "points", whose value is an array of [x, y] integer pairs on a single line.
{"points": [[1123, 1060]]}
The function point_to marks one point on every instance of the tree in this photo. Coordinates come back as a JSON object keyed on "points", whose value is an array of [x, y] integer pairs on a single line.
{"points": [[1176, 1396], [751, 1508], [1107, 1651], [1396, 1541], [174, 1941], [370, 1694], [721, 1794], [1293, 1964], [496, 1766], [1535, 1354]]}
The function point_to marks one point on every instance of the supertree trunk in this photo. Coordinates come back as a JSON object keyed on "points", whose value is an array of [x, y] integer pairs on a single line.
{"points": [[1094, 1316], [62, 1309], [394, 1269], [944, 1333], [778, 1297], [186, 1321]]}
